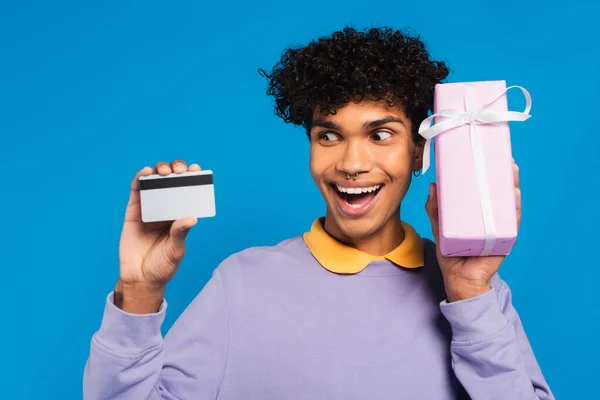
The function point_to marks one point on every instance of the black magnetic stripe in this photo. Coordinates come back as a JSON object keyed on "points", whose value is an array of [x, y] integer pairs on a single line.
{"points": [[178, 181]]}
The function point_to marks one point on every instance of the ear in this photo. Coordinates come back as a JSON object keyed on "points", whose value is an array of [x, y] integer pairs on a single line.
{"points": [[418, 157], [307, 130]]}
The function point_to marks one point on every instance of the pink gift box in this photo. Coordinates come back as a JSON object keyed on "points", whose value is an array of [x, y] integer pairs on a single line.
{"points": [[459, 189]]}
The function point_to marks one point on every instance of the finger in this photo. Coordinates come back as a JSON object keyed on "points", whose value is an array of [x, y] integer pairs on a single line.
{"points": [[178, 166], [519, 208], [516, 174], [194, 168], [432, 211], [134, 196], [162, 168], [177, 235], [180, 228]]}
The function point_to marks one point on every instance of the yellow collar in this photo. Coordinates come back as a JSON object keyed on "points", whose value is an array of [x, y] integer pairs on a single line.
{"points": [[342, 259]]}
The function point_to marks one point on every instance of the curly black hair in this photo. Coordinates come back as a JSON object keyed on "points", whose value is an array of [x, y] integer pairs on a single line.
{"points": [[376, 64]]}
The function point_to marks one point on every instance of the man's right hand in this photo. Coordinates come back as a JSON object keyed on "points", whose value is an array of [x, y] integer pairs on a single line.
{"points": [[149, 253]]}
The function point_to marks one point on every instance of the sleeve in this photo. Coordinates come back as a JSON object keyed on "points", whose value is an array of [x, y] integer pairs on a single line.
{"points": [[129, 360], [491, 355]]}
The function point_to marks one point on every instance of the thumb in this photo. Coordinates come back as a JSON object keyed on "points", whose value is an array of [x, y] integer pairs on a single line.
{"points": [[432, 211], [180, 229]]}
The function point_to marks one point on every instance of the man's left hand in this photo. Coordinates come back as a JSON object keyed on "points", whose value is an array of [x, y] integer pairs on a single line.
{"points": [[466, 277]]}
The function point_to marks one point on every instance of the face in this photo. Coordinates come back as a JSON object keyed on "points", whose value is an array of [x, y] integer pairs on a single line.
{"points": [[371, 141]]}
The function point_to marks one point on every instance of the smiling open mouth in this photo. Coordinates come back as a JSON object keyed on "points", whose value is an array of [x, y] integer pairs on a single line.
{"points": [[356, 198]]}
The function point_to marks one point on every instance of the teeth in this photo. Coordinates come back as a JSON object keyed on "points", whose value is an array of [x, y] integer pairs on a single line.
{"points": [[355, 190]]}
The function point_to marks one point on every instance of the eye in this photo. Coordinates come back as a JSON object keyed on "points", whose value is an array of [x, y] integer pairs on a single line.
{"points": [[328, 136], [381, 135]]}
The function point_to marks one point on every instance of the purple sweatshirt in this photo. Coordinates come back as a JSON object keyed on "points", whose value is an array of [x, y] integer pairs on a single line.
{"points": [[273, 324]]}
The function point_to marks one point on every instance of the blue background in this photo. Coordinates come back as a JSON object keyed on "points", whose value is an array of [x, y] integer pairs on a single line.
{"points": [[92, 92]]}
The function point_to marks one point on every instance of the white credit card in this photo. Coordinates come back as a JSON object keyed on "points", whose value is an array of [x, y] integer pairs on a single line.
{"points": [[174, 196]]}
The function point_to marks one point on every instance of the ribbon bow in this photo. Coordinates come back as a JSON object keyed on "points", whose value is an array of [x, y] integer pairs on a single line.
{"points": [[474, 116], [471, 115]]}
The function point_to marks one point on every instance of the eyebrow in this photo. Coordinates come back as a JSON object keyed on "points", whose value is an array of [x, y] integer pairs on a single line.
{"points": [[367, 125], [326, 124]]}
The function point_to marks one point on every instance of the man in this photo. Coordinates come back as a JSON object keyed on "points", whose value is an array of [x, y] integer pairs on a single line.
{"points": [[359, 307]]}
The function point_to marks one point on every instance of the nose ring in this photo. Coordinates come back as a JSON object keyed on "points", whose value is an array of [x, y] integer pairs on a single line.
{"points": [[355, 177]]}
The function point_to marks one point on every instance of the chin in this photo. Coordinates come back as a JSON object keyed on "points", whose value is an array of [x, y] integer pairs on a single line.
{"points": [[361, 228], [357, 228]]}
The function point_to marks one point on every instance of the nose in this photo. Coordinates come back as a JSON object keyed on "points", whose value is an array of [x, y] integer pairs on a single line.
{"points": [[356, 158]]}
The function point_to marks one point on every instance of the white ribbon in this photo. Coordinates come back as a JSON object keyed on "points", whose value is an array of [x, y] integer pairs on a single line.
{"points": [[474, 117]]}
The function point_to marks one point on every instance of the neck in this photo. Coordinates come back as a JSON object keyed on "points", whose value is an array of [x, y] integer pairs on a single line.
{"points": [[378, 243]]}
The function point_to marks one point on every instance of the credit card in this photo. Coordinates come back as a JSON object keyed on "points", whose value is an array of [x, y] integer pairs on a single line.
{"points": [[174, 196]]}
